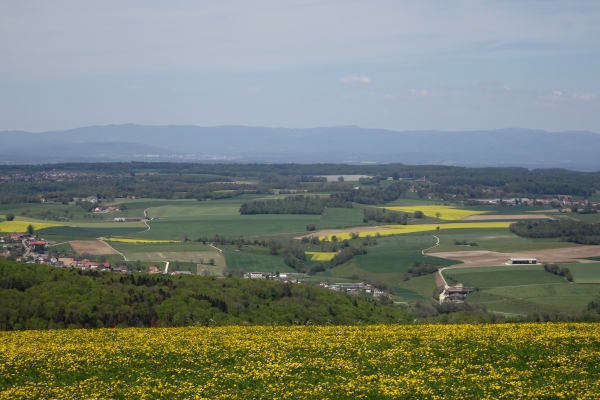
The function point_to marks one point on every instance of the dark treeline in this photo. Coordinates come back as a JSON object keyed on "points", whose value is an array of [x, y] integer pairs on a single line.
{"points": [[385, 216], [294, 205], [375, 195], [515, 181], [567, 229], [558, 270]]}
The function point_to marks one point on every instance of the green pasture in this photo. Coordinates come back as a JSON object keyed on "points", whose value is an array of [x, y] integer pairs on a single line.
{"points": [[509, 275], [589, 218], [191, 256], [389, 260], [254, 258], [584, 273], [537, 298], [416, 288], [88, 232], [595, 197], [342, 217], [126, 248], [500, 240]]}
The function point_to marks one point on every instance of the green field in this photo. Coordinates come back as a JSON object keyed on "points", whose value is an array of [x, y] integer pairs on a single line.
{"points": [[500, 240], [416, 289], [89, 232], [158, 247], [584, 273], [537, 299], [254, 258], [510, 275]]}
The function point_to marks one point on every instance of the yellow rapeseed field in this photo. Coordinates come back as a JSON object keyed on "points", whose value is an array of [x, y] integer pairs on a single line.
{"points": [[321, 255], [446, 212], [403, 229], [21, 226], [507, 361], [134, 240]]}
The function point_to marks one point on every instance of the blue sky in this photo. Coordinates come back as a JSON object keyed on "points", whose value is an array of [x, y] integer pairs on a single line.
{"points": [[402, 65]]}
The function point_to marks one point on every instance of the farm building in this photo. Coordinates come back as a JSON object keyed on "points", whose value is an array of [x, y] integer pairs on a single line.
{"points": [[519, 261]]}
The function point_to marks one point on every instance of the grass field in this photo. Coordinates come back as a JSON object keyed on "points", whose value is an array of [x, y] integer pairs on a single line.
{"points": [[254, 259], [135, 240], [388, 261], [500, 240], [541, 361], [510, 275], [88, 232], [128, 247], [584, 273], [415, 289], [537, 298]]}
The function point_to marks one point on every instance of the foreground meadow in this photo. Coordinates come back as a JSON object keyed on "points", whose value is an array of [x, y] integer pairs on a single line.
{"points": [[417, 361]]}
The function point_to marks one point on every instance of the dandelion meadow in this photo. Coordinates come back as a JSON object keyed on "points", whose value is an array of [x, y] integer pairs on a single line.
{"points": [[305, 362]]}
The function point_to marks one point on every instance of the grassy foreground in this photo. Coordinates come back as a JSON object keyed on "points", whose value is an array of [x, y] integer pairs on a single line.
{"points": [[376, 361]]}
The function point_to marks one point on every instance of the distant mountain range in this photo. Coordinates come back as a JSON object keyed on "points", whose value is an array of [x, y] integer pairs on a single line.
{"points": [[340, 144]]}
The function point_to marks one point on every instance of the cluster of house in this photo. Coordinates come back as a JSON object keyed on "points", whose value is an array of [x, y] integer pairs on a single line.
{"points": [[55, 176], [285, 277], [564, 201], [105, 210], [354, 288], [456, 293]]}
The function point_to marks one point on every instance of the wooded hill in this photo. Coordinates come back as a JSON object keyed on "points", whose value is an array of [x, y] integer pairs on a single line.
{"points": [[42, 297]]}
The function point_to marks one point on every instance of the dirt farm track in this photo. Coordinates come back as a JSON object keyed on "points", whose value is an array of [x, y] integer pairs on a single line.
{"points": [[93, 247], [491, 258]]}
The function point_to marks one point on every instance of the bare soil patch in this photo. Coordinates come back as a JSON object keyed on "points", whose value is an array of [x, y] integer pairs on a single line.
{"points": [[490, 258], [93, 247], [491, 217]]}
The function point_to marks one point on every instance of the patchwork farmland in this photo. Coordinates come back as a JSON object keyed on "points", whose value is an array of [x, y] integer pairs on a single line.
{"points": [[212, 237]]}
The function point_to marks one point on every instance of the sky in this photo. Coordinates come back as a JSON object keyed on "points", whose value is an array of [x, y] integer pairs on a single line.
{"points": [[394, 64]]}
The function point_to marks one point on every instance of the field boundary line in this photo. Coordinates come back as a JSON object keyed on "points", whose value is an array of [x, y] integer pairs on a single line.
{"points": [[215, 247], [122, 255], [57, 244], [429, 248]]}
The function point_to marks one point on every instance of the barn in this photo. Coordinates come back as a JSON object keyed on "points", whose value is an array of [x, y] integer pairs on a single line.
{"points": [[520, 261]]}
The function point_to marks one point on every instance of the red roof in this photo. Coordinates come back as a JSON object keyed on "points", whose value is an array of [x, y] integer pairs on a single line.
{"points": [[37, 243]]}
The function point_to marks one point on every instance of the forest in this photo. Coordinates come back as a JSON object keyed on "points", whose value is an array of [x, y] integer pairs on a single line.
{"points": [[164, 180], [294, 205], [567, 229]]}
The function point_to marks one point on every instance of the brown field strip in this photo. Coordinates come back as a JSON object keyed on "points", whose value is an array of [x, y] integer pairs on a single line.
{"points": [[93, 247], [491, 258]]}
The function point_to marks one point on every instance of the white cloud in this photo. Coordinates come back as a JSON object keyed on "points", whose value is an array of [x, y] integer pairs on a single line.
{"points": [[425, 93], [585, 96], [355, 80]]}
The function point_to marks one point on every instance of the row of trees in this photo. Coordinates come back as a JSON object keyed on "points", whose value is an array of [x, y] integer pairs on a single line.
{"points": [[558, 270], [384, 216], [294, 205]]}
